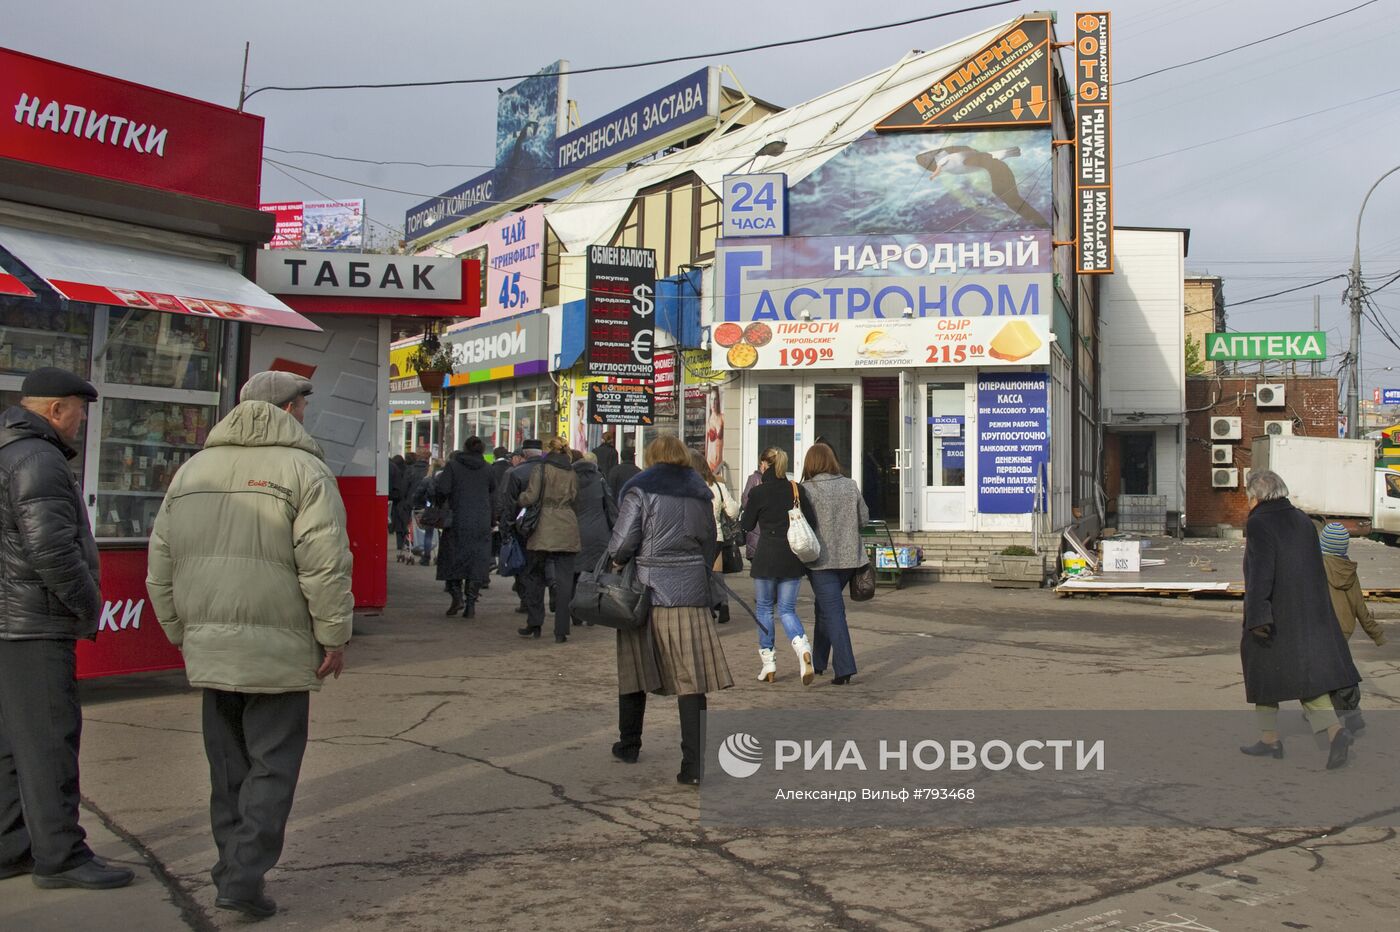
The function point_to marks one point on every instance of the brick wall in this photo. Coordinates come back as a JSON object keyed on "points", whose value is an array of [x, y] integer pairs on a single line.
{"points": [[1205, 311], [1311, 406]]}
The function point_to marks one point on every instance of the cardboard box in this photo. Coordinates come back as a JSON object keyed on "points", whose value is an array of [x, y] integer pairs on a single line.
{"points": [[901, 557], [1121, 556]]}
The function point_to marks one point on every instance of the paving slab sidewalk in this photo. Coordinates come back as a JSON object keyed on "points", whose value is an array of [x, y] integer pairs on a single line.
{"points": [[147, 904]]}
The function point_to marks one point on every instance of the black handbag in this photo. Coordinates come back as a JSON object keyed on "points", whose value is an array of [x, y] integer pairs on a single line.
{"points": [[610, 598], [863, 584], [731, 556], [527, 522], [435, 516]]}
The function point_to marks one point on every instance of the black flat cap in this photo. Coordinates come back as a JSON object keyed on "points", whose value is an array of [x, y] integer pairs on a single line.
{"points": [[51, 382], [532, 445]]}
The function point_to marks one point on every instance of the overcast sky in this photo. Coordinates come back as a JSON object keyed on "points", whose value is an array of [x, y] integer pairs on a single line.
{"points": [[1267, 210]]}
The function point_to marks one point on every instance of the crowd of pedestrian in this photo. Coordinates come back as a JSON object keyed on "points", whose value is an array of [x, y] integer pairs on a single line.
{"points": [[262, 610]]}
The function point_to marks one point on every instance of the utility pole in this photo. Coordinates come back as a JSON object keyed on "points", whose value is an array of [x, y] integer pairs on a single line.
{"points": [[1317, 326], [1354, 279], [243, 85]]}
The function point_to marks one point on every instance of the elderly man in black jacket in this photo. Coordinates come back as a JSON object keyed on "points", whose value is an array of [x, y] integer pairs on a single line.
{"points": [[1292, 646], [49, 598]]}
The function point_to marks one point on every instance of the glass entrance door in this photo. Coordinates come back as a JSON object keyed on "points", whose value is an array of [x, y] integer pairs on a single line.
{"points": [[833, 420], [880, 460], [945, 456], [793, 414], [777, 419]]}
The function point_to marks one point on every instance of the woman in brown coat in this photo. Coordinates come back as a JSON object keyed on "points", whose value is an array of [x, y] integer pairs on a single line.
{"points": [[550, 550]]}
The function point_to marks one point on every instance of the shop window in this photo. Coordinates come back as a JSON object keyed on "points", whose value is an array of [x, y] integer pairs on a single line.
{"points": [[159, 350], [549, 288], [482, 255], [32, 335], [777, 417], [679, 218], [142, 444], [947, 435]]}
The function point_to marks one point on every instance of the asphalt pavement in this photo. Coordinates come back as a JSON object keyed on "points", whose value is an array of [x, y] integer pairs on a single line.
{"points": [[459, 777]]}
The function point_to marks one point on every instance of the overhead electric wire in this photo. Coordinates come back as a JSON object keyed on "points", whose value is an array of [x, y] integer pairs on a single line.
{"points": [[643, 64], [1277, 35], [1257, 129], [347, 158], [276, 167], [1265, 297]]}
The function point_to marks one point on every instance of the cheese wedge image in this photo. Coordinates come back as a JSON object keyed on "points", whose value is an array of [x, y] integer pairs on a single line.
{"points": [[879, 344], [1014, 341]]}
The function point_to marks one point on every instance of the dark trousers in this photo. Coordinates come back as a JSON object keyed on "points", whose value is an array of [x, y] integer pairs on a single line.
{"points": [[831, 638], [543, 569], [40, 727], [255, 743], [465, 589], [631, 711]]}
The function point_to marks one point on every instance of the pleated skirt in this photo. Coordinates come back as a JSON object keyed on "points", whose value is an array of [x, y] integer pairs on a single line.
{"points": [[677, 654]]}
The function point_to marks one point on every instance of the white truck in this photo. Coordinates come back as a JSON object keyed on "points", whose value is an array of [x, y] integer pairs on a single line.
{"points": [[1334, 478], [1385, 512]]}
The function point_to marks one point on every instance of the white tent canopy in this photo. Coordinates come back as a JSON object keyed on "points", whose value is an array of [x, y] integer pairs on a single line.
{"points": [[814, 132]]}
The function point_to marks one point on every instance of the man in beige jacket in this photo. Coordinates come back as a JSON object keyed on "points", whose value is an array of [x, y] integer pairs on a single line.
{"points": [[250, 577]]}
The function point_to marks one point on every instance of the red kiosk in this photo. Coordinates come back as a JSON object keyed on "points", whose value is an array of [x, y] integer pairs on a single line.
{"points": [[355, 298], [128, 219]]}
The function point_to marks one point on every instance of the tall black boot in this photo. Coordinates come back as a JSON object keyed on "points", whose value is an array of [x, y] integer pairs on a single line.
{"points": [[631, 709], [455, 588], [692, 710], [473, 590]]}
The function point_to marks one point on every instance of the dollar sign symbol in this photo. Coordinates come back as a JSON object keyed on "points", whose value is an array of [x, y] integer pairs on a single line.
{"points": [[641, 296]]}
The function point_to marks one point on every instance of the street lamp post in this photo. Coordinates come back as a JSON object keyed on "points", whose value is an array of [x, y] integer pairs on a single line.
{"points": [[1354, 382]]}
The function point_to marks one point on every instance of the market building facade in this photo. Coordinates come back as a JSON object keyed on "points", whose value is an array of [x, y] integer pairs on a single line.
{"points": [[889, 268]]}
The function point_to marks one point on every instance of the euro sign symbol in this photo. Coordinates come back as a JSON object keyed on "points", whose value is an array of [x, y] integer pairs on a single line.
{"points": [[641, 300], [642, 345]]}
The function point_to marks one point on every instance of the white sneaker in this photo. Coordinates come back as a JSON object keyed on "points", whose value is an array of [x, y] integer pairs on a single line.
{"points": [[804, 659], [770, 666]]}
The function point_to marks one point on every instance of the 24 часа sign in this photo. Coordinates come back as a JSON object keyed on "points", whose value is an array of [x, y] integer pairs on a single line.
{"points": [[884, 301]]}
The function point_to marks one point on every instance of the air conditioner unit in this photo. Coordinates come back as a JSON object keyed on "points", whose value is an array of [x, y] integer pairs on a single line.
{"points": [[1278, 428], [1222, 454], [1225, 428], [1244, 476], [1268, 395], [1225, 478]]}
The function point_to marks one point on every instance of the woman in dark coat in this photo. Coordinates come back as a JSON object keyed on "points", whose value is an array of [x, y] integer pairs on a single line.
{"points": [[596, 508], [397, 523], [776, 571], [468, 488], [552, 548], [666, 523], [1292, 646]]}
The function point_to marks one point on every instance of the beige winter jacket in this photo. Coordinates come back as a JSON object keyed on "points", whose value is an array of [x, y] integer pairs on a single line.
{"points": [[249, 570], [1347, 600]]}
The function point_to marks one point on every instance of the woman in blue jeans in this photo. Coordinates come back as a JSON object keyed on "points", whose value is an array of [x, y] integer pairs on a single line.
{"points": [[841, 513], [776, 571]]}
